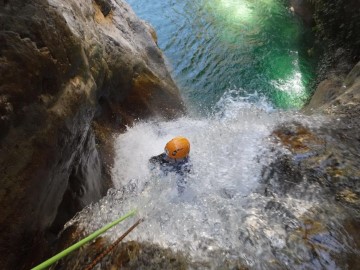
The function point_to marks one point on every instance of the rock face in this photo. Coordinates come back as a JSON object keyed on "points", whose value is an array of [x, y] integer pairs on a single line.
{"points": [[304, 10], [71, 73], [338, 94], [337, 26]]}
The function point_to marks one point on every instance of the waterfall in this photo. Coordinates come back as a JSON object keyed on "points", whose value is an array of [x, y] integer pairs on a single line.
{"points": [[221, 210]]}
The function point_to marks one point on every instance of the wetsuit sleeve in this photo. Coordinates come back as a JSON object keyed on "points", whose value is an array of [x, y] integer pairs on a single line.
{"points": [[186, 167], [159, 159]]}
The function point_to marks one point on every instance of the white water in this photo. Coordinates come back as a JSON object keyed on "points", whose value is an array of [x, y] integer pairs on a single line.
{"points": [[220, 216]]}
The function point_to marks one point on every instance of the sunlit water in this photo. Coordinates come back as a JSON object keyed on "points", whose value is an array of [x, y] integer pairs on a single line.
{"points": [[213, 45]]}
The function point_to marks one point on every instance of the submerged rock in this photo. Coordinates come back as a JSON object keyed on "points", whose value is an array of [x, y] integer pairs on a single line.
{"points": [[72, 73]]}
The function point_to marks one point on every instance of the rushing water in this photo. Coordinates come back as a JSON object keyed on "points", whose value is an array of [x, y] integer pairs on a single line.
{"points": [[221, 217], [252, 45], [238, 61]]}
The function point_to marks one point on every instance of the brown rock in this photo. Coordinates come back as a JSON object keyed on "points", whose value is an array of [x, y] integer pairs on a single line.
{"points": [[297, 138], [66, 68], [327, 91], [337, 95]]}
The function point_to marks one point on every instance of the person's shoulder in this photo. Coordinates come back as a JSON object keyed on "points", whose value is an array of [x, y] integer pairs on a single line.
{"points": [[157, 159]]}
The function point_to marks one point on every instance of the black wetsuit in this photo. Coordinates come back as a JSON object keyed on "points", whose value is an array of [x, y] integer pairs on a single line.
{"points": [[181, 167]]}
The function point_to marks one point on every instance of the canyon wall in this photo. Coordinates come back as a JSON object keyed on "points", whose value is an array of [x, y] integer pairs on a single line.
{"points": [[72, 73]]}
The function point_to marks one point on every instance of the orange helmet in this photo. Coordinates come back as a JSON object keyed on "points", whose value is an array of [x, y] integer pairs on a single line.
{"points": [[178, 147]]}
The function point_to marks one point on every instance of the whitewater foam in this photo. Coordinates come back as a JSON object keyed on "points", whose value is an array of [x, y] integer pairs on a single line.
{"points": [[220, 209]]}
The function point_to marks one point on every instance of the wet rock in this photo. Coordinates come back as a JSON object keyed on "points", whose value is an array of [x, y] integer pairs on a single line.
{"points": [[297, 138], [127, 255], [72, 73], [327, 91], [315, 245], [296, 170], [320, 162], [304, 10], [351, 226], [328, 244], [134, 255], [337, 96], [337, 26], [319, 166], [322, 156], [348, 196], [340, 160]]}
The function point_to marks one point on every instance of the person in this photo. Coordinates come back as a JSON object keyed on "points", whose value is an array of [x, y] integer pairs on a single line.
{"points": [[175, 159]]}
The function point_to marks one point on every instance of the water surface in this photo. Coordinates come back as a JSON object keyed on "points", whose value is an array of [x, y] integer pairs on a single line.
{"points": [[253, 46]]}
